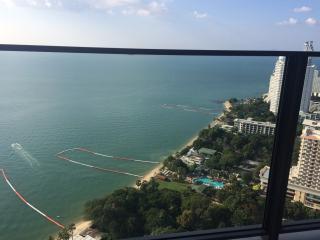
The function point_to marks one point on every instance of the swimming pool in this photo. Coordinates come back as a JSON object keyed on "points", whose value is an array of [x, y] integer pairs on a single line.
{"points": [[209, 182]]}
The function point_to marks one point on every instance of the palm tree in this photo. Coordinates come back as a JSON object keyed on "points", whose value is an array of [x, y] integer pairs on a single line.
{"points": [[71, 228]]}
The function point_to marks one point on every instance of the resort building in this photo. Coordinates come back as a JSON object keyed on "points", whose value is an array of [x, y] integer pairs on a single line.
{"points": [[227, 128], [207, 152], [315, 116], [308, 196], [304, 179], [275, 85], [308, 81], [311, 124], [316, 84], [248, 126], [306, 173], [192, 157], [191, 160]]}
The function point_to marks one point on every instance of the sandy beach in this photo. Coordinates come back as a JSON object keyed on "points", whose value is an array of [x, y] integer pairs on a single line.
{"points": [[83, 225]]}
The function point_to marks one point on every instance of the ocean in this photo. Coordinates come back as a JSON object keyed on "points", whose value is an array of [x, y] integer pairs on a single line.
{"points": [[142, 107]]}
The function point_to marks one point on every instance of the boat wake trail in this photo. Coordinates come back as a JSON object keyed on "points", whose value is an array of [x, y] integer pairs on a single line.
{"points": [[21, 152], [201, 110]]}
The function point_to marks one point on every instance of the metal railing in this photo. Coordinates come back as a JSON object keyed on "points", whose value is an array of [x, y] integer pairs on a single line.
{"points": [[291, 91]]}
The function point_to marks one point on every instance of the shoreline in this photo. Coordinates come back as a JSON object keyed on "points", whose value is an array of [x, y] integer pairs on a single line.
{"points": [[85, 224], [153, 172], [81, 226]]}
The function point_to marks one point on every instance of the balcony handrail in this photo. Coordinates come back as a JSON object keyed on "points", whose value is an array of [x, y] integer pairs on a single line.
{"points": [[145, 51]]}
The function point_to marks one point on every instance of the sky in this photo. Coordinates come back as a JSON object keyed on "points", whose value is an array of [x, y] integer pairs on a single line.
{"points": [[181, 24]]}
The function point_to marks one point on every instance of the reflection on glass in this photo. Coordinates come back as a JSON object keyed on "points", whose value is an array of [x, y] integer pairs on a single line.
{"points": [[303, 193]]}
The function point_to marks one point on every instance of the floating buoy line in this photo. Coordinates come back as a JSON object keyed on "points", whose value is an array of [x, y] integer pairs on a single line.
{"points": [[104, 155], [27, 203], [62, 157], [98, 168]]}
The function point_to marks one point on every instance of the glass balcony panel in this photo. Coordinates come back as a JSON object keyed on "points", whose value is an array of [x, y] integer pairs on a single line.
{"points": [[79, 127], [304, 173]]}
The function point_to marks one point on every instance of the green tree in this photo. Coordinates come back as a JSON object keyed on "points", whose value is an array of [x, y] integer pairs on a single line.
{"points": [[247, 177], [157, 218], [163, 230], [64, 234], [297, 211], [187, 220], [216, 216], [71, 228]]}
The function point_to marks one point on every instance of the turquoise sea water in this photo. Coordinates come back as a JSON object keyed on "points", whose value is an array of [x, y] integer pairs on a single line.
{"points": [[111, 104]]}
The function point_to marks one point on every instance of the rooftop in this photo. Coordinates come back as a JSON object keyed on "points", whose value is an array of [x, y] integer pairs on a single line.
{"points": [[251, 121], [207, 151]]}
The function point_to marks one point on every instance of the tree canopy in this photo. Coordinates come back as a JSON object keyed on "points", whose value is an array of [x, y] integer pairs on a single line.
{"points": [[130, 212]]}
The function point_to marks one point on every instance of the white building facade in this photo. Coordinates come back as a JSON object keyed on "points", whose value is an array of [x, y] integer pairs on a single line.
{"points": [[307, 171], [308, 196], [276, 82], [316, 83], [304, 178], [248, 126], [308, 81], [275, 85]]}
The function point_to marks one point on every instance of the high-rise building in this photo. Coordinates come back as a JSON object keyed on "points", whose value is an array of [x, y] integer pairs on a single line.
{"points": [[316, 83], [275, 85], [276, 82], [306, 173], [307, 86], [304, 179]]}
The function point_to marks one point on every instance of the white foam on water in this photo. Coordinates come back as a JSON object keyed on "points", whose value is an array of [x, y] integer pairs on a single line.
{"points": [[24, 154]]}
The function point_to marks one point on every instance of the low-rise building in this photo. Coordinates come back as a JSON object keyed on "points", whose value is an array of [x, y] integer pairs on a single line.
{"points": [[78, 237], [191, 160], [227, 128], [207, 152], [248, 126]]}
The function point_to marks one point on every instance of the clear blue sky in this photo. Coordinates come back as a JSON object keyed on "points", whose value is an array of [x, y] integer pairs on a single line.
{"points": [[192, 24]]}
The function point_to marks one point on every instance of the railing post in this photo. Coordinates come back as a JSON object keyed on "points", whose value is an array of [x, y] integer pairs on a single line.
{"points": [[287, 119]]}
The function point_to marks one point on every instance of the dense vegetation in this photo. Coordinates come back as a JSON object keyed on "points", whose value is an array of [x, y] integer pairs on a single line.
{"points": [[150, 210], [176, 165], [66, 233], [173, 206], [234, 148], [252, 108]]}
